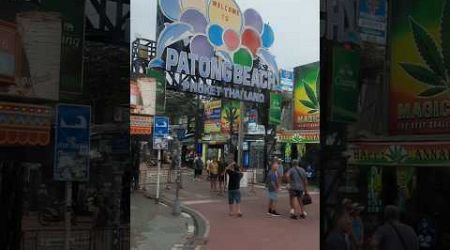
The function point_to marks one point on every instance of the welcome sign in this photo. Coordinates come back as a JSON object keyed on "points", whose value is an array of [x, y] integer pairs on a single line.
{"points": [[217, 50]]}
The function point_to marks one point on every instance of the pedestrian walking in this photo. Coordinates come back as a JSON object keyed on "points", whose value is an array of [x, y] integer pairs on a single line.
{"points": [[234, 194], [198, 167], [394, 235], [297, 186], [273, 187], [213, 170], [221, 178]]}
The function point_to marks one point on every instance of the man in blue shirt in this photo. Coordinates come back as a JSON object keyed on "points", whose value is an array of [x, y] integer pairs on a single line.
{"points": [[273, 186]]}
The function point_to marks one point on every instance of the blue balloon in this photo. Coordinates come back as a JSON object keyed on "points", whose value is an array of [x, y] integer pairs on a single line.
{"points": [[170, 8], [268, 37], [215, 34]]}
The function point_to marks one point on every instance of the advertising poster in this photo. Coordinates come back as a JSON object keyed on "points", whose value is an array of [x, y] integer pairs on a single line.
{"points": [[286, 81], [143, 96], [230, 115], [212, 117], [420, 68], [72, 142], [275, 109], [374, 195], [372, 21], [306, 97], [345, 85]]}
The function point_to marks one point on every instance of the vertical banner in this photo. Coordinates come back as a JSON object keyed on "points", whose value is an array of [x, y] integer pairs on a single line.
{"points": [[345, 85], [275, 109], [306, 97], [375, 188], [72, 141], [160, 79], [212, 117], [230, 114], [72, 43], [420, 67]]}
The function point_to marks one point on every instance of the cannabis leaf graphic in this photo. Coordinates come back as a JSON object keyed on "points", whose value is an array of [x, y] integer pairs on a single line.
{"points": [[313, 102], [437, 75], [396, 154], [297, 139]]}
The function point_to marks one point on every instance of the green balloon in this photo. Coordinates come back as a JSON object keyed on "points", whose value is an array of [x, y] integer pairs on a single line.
{"points": [[243, 57]]}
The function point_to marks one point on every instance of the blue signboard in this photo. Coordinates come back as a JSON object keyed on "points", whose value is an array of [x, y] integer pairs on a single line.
{"points": [[72, 143], [286, 81], [372, 21], [161, 127]]}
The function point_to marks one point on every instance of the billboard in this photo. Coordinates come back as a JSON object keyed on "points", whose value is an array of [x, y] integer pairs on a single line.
{"points": [[307, 97], [213, 117], [286, 81], [213, 47], [372, 21], [230, 115], [420, 59]]}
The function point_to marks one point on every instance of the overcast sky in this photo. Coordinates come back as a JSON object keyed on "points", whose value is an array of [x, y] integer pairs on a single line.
{"points": [[296, 24]]}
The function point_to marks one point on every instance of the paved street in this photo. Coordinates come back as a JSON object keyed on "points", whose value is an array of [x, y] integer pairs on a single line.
{"points": [[153, 227], [255, 230]]}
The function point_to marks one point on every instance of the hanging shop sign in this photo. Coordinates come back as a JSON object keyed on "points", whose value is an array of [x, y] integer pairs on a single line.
{"points": [[73, 16], [25, 124], [372, 21], [286, 81], [275, 109], [293, 136], [345, 85], [30, 55], [215, 139], [141, 125], [420, 72], [213, 117], [307, 97], [404, 154], [72, 142], [230, 116], [212, 49], [143, 96]]}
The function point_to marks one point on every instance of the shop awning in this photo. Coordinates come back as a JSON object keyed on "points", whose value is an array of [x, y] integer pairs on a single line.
{"points": [[431, 153], [140, 125], [24, 124]]}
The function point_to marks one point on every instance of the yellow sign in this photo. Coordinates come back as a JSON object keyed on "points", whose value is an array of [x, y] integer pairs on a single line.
{"points": [[226, 13]]}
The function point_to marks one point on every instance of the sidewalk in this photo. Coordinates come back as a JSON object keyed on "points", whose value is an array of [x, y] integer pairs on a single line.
{"points": [[154, 227], [255, 230]]}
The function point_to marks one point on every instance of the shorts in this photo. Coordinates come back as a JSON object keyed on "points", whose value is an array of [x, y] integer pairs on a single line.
{"points": [[222, 178], [213, 177], [234, 196], [295, 193], [273, 196]]}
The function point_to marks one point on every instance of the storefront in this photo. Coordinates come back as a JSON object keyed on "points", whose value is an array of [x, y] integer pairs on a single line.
{"points": [[299, 145], [405, 174]]}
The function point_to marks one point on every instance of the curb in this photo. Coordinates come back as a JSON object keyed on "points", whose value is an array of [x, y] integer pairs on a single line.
{"points": [[201, 224]]}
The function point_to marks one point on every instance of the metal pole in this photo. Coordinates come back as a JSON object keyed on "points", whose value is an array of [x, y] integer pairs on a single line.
{"points": [[241, 133], [158, 175], [67, 215], [176, 208]]}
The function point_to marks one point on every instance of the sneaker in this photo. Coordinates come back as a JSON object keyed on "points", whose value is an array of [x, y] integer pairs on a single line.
{"points": [[269, 212], [239, 215], [294, 217], [274, 213], [303, 216]]}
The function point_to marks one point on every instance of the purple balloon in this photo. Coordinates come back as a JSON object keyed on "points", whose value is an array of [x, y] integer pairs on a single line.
{"points": [[196, 19], [201, 46], [254, 20]]}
